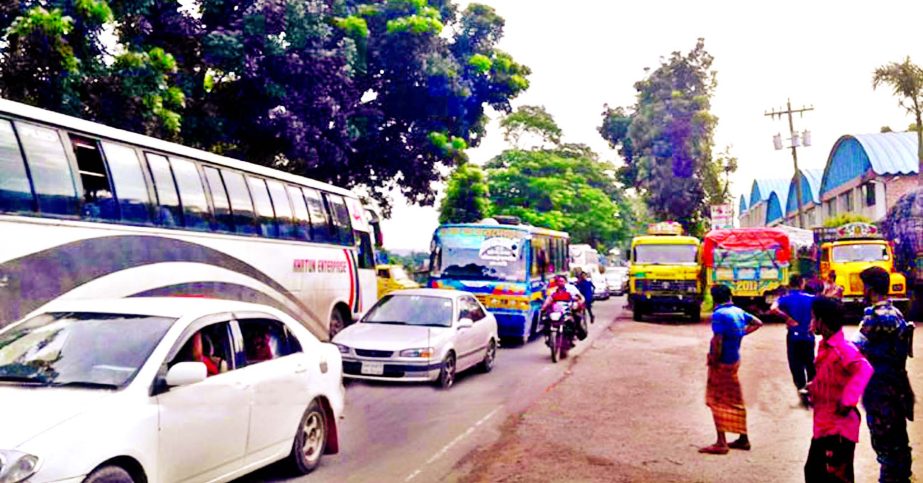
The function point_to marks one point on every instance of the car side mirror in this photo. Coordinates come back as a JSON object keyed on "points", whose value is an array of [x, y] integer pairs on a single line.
{"points": [[465, 323], [186, 373]]}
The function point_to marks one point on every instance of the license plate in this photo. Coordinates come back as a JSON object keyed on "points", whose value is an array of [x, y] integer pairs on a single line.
{"points": [[373, 368]]}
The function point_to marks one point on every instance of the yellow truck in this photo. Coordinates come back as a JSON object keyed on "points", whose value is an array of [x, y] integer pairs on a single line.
{"points": [[393, 277], [850, 249], [664, 273]]}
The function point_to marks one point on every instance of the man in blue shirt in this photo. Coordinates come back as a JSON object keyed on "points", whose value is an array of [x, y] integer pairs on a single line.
{"points": [[723, 393], [795, 308], [587, 289]]}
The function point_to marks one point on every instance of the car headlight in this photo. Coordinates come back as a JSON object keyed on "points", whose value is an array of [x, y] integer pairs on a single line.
{"points": [[343, 350], [16, 466], [424, 353]]}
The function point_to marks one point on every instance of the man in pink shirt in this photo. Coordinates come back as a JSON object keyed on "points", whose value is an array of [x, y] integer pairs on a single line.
{"points": [[842, 374]]}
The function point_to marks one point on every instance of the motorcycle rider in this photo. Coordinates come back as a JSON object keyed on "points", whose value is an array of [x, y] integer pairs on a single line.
{"points": [[559, 290]]}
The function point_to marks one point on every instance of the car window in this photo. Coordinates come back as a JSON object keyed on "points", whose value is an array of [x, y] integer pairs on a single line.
{"points": [[210, 345], [470, 308], [383, 272], [266, 339]]}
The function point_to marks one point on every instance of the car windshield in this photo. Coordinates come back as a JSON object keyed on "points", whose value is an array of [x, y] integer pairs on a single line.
{"points": [[79, 349], [665, 254], [869, 252], [481, 255], [420, 310]]}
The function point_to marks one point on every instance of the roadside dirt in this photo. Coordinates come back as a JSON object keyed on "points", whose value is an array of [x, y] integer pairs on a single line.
{"points": [[631, 409]]}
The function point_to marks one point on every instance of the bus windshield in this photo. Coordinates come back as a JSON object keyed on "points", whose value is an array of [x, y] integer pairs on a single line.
{"points": [[665, 254], [867, 252], [480, 255]]}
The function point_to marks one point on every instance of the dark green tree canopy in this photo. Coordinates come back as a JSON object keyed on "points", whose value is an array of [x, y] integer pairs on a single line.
{"points": [[666, 138], [366, 93]]}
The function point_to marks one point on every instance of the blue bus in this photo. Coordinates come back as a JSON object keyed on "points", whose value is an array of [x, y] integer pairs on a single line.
{"points": [[506, 266]]}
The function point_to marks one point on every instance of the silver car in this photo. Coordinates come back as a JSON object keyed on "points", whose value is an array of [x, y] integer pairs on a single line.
{"points": [[420, 335]]}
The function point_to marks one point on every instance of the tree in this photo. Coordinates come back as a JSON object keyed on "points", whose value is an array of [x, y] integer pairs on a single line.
{"points": [[532, 121], [906, 82], [845, 218], [360, 93], [666, 138], [467, 198]]}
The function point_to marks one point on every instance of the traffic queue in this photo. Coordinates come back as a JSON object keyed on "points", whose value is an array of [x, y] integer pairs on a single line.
{"points": [[670, 272]]}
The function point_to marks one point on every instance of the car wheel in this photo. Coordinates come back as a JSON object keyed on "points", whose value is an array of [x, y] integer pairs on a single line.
{"points": [[487, 364], [311, 440], [109, 474], [336, 323], [447, 373]]}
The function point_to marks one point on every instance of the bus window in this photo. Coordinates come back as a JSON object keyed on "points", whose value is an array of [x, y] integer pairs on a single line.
{"points": [[340, 217], [98, 200], [320, 225], [283, 209], [196, 212], [51, 172], [128, 179], [168, 209], [263, 207], [222, 220], [15, 190], [241, 203], [302, 223], [366, 253]]}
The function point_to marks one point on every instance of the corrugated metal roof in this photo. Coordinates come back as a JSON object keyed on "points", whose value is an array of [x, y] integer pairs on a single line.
{"points": [[775, 202], [892, 152], [810, 190], [762, 188], [743, 205], [852, 156]]}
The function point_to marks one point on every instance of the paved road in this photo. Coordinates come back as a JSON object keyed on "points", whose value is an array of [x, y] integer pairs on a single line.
{"points": [[404, 433]]}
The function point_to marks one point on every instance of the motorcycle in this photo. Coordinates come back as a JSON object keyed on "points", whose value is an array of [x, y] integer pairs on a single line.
{"points": [[560, 328]]}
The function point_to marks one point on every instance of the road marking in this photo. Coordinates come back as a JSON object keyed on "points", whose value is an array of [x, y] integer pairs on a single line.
{"points": [[445, 449]]}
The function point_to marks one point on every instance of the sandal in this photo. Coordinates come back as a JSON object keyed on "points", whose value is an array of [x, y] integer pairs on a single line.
{"points": [[714, 449], [742, 445]]}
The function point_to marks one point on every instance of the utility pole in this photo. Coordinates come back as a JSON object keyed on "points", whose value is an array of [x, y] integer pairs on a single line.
{"points": [[777, 140]]}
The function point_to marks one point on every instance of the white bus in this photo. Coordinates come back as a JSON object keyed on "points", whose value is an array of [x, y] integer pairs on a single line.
{"points": [[88, 211]]}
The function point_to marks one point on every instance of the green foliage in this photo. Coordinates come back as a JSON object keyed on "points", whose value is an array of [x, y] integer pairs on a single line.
{"points": [[845, 218], [353, 26], [531, 120], [906, 82], [666, 140], [481, 63], [467, 199]]}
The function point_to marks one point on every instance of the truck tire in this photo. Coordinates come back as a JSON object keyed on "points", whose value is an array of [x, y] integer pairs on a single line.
{"points": [[695, 313], [636, 312]]}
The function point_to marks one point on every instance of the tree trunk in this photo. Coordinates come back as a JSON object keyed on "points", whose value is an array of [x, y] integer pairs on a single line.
{"points": [[919, 148]]}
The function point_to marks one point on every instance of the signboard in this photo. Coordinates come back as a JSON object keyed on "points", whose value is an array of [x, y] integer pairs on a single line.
{"points": [[846, 232], [665, 228], [722, 216]]}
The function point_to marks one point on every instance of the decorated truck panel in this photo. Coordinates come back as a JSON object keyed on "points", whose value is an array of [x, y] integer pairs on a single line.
{"points": [[753, 262]]}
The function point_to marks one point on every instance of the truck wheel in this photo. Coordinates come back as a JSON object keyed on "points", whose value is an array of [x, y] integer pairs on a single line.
{"points": [[637, 313], [695, 313]]}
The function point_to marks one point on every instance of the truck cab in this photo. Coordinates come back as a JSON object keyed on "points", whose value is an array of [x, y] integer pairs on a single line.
{"points": [[852, 249], [393, 277], [664, 273]]}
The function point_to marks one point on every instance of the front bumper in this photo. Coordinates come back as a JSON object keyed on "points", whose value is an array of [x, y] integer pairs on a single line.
{"points": [[393, 370], [665, 302]]}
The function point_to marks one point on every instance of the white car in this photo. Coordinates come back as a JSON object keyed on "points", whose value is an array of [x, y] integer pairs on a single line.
{"points": [[163, 390], [420, 335], [616, 279]]}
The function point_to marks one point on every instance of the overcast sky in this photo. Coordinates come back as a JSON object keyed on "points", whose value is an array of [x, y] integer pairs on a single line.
{"points": [[587, 53]]}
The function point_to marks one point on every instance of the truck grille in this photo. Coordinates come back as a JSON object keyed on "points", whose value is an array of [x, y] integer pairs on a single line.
{"points": [[667, 285]]}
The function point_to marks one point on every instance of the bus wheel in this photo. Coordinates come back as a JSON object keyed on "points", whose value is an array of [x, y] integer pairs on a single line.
{"points": [[336, 323]]}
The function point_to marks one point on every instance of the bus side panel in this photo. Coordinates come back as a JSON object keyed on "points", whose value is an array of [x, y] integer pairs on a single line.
{"points": [[44, 259]]}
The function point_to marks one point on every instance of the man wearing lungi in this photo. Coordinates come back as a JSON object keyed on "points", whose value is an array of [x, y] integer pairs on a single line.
{"points": [[722, 393]]}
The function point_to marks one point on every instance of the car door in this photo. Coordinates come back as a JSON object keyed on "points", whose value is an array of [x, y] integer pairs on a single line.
{"points": [[203, 426], [279, 376], [469, 340]]}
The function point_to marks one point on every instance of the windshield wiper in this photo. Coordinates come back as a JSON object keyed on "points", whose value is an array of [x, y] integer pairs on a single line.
{"points": [[85, 384]]}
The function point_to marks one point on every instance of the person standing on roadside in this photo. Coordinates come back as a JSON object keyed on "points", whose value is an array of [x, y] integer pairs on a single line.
{"points": [[831, 289], [587, 289], [842, 375], [723, 393], [795, 308], [886, 340]]}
